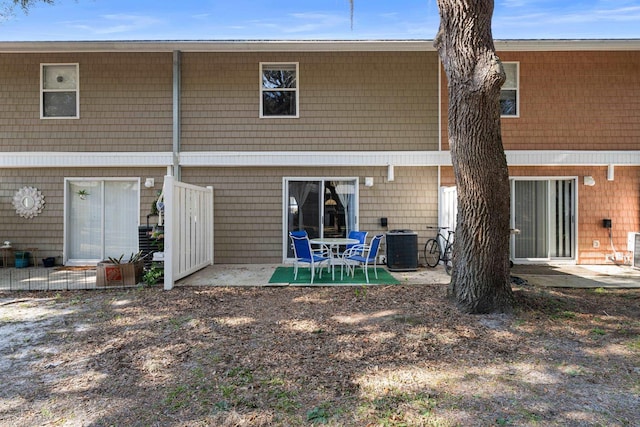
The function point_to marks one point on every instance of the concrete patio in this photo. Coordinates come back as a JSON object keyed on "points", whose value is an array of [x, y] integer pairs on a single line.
{"points": [[567, 276], [259, 275], [562, 276], [579, 276]]}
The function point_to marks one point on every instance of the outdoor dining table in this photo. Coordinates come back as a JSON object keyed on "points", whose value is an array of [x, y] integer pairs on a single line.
{"points": [[333, 243]]}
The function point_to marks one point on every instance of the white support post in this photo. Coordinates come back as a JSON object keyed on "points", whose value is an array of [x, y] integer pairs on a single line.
{"points": [[210, 235], [169, 232]]}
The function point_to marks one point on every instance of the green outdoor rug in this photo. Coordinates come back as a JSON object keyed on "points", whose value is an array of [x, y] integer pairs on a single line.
{"points": [[285, 275]]}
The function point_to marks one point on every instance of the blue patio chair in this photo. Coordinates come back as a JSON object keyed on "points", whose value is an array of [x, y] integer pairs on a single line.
{"points": [[361, 236], [364, 256], [303, 233], [304, 254]]}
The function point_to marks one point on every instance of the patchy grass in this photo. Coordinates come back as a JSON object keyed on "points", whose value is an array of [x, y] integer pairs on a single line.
{"points": [[370, 356]]}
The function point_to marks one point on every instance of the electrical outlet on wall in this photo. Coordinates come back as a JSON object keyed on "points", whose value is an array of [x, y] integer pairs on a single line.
{"points": [[596, 243]]}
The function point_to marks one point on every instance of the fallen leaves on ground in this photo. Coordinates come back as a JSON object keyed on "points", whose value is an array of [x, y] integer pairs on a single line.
{"points": [[287, 356]]}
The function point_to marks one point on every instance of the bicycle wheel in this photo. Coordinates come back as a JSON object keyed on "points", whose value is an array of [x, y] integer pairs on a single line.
{"points": [[432, 253], [448, 260]]}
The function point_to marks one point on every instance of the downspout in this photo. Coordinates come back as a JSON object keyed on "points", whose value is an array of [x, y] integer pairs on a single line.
{"points": [[176, 114], [439, 138]]}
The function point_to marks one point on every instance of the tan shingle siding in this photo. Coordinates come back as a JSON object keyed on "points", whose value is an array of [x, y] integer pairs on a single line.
{"points": [[45, 231], [125, 104], [248, 205], [368, 101]]}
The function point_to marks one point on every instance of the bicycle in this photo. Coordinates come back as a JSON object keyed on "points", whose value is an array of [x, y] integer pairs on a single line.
{"points": [[435, 251]]}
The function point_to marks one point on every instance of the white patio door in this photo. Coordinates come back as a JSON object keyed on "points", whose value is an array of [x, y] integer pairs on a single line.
{"points": [[544, 212], [323, 207], [101, 219]]}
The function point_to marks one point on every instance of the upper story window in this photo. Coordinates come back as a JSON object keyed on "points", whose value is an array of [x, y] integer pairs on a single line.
{"points": [[59, 91], [279, 90], [509, 99]]}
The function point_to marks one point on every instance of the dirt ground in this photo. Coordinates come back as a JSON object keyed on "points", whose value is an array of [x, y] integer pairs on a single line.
{"points": [[343, 356]]}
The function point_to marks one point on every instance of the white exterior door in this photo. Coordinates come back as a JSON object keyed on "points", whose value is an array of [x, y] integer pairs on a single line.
{"points": [[448, 207], [101, 219], [544, 212]]}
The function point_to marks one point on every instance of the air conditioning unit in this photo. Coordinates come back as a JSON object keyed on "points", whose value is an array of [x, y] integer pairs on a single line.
{"points": [[633, 245]]}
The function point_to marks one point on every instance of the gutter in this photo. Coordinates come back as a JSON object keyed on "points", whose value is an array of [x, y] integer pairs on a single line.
{"points": [[417, 45]]}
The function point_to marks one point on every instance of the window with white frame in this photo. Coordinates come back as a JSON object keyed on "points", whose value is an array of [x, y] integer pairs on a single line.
{"points": [[509, 102], [279, 90], [59, 91]]}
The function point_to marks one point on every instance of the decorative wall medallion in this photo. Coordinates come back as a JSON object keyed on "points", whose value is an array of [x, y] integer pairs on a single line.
{"points": [[28, 202]]}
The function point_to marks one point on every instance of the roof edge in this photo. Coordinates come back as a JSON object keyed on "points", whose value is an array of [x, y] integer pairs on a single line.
{"points": [[218, 46], [303, 45]]}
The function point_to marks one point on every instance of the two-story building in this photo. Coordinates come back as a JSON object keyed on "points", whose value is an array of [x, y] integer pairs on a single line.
{"points": [[327, 136]]}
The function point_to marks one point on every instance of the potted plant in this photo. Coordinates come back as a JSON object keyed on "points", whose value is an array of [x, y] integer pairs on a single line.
{"points": [[114, 271]]}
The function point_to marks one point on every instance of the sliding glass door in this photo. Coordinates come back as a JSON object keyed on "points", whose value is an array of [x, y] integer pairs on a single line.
{"points": [[101, 219], [322, 207], [544, 212]]}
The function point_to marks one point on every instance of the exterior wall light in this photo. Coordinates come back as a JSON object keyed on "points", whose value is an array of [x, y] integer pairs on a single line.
{"points": [[390, 173]]}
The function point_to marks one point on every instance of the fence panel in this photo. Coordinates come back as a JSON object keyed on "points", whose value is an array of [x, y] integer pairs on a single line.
{"points": [[188, 229]]}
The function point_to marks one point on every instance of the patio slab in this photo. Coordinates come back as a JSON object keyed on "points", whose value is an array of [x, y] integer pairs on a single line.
{"points": [[259, 275], [563, 276], [579, 276]]}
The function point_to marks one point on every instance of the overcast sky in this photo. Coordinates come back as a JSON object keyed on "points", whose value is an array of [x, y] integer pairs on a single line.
{"points": [[309, 20]]}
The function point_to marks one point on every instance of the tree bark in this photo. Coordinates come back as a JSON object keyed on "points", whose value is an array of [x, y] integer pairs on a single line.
{"points": [[480, 282]]}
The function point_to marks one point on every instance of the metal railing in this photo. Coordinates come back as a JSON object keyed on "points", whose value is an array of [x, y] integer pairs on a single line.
{"points": [[47, 279]]}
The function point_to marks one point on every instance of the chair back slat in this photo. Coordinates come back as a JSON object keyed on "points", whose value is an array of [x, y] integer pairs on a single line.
{"points": [[301, 246], [374, 246], [361, 236], [298, 233]]}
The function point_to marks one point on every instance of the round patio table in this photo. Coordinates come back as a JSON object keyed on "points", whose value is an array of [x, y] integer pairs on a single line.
{"points": [[333, 243]]}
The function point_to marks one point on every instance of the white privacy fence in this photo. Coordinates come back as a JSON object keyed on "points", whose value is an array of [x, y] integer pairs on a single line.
{"points": [[188, 229]]}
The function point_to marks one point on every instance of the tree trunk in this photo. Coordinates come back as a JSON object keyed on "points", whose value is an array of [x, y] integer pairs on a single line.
{"points": [[480, 282]]}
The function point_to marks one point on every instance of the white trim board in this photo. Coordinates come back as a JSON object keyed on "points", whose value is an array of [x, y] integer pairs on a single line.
{"points": [[572, 158], [315, 158], [304, 158], [84, 159]]}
